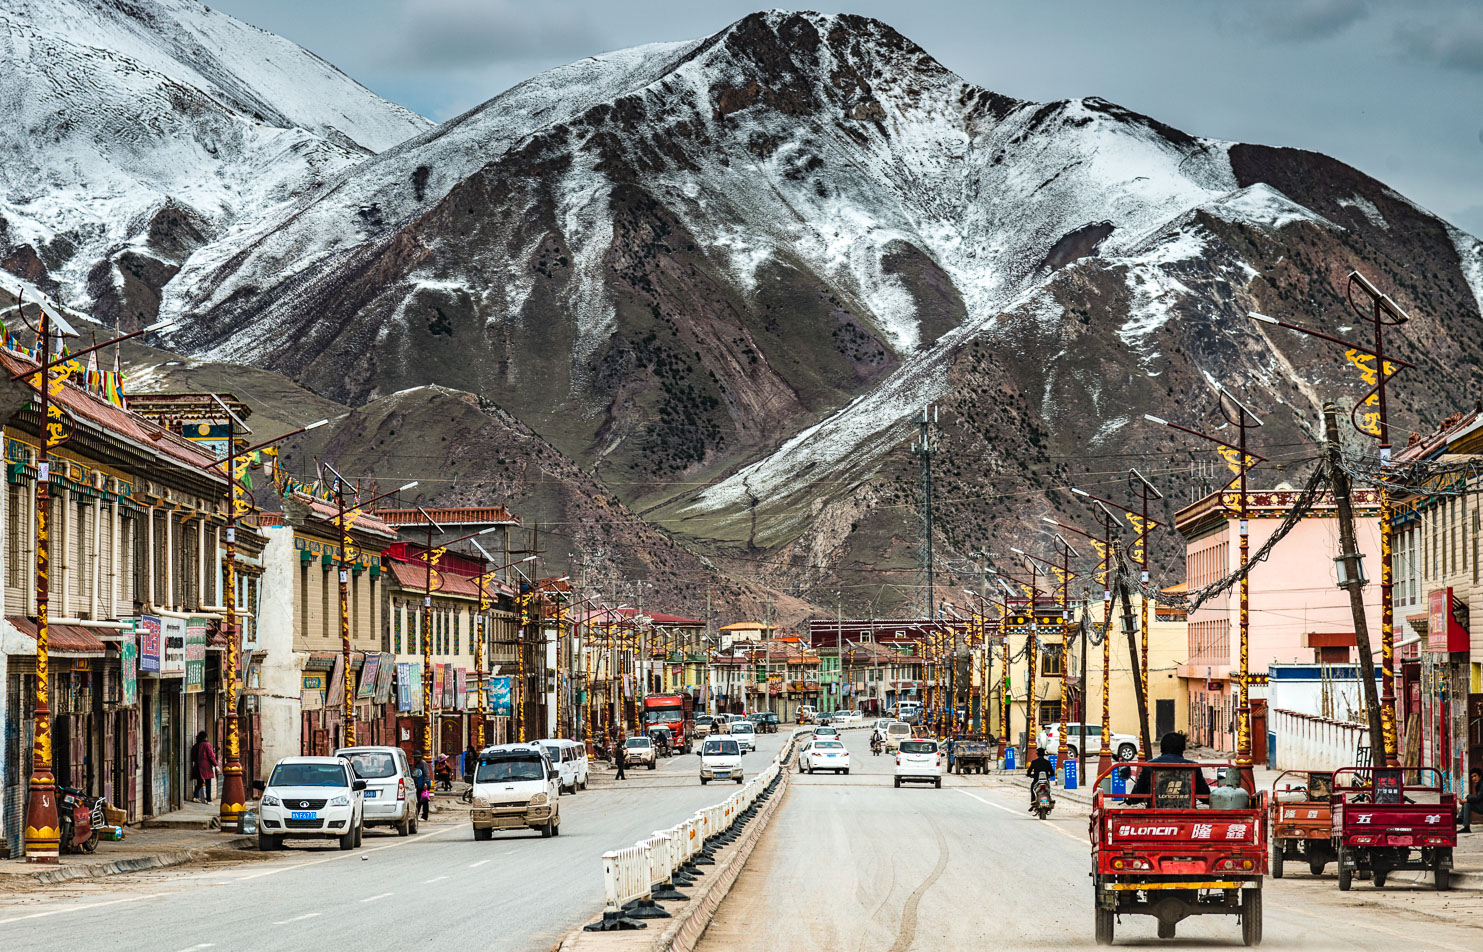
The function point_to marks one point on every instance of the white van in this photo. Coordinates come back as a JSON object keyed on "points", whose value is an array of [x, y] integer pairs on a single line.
{"points": [[720, 759], [391, 793], [570, 760], [515, 787]]}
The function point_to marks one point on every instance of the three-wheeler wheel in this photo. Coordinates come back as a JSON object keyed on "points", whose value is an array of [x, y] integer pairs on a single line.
{"points": [[1251, 916]]}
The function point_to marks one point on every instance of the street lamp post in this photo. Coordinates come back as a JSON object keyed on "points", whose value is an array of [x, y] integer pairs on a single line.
{"points": [[430, 557], [1241, 418], [43, 834], [233, 791], [1104, 548], [344, 519], [1066, 553], [481, 638]]}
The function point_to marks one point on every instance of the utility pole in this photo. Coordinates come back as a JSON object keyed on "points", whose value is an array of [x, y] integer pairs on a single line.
{"points": [[1351, 575], [1140, 695], [926, 449]]}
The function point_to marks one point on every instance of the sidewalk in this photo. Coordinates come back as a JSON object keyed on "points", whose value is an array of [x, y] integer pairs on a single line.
{"points": [[183, 836]]}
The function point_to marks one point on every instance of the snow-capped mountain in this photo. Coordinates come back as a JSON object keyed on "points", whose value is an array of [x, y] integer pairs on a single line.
{"points": [[723, 276], [138, 129]]}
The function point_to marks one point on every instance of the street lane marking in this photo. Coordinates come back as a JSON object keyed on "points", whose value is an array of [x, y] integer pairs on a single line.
{"points": [[375, 897], [997, 806], [203, 945], [307, 915], [399, 841], [478, 864], [435, 879], [93, 905]]}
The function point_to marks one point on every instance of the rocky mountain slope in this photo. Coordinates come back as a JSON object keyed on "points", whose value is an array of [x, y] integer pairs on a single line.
{"points": [[138, 130], [719, 279]]}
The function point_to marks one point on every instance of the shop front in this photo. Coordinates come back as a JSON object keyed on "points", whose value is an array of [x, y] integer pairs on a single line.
{"points": [[1444, 689]]}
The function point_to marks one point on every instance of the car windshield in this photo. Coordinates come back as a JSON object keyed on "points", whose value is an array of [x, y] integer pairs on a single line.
{"points": [[660, 715], [308, 775], [919, 746], [743, 727], [637, 742], [829, 745], [721, 747], [898, 728], [494, 768], [826, 732], [553, 753], [372, 764]]}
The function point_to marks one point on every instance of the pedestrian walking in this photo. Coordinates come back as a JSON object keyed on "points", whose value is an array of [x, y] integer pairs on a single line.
{"points": [[422, 778], [203, 768], [619, 755], [470, 757]]}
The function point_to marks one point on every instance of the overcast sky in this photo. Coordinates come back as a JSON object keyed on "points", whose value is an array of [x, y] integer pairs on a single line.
{"points": [[1394, 87]]}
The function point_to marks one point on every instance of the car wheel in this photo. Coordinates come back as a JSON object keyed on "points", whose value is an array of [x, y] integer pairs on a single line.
{"points": [[483, 834], [360, 832], [738, 779], [556, 829], [704, 781], [414, 821], [267, 842], [1127, 752], [652, 765], [938, 783], [549, 829], [347, 842], [898, 781], [404, 826]]}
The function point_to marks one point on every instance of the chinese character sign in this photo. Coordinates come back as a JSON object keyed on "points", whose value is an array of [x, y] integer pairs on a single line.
{"points": [[151, 644], [128, 671], [195, 656]]}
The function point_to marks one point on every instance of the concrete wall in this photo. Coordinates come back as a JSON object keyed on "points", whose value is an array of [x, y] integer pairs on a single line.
{"points": [[282, 669]]}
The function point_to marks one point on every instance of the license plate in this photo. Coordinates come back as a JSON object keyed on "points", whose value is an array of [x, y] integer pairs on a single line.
{"points": [[722, 774], [303, 815], [370, 794]]}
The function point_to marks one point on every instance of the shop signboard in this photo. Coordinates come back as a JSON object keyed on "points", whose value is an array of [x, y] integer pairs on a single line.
{"points": [[384, 675], [499, 696], [151, 644], [173, 635], [370, 670], [195, 655], [128, 672], [1447, 622], [404, 684]]}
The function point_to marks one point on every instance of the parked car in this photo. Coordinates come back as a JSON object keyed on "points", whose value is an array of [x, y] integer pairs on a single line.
{"points": [[825, 755], [516, 787], [720, 759], [1123, 746], [847, 718], [570, 760], [745, 733], [909, 711], [807, 713], [919, 760], [390, 797], [309, 797], [896, 732], [640, 750]]}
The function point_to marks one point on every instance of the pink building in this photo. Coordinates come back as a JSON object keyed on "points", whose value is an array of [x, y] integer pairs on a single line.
{"points": [[1297, 611]]}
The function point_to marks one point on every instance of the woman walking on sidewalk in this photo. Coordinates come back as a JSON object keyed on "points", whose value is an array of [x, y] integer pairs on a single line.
{"points": [[203, 768]]}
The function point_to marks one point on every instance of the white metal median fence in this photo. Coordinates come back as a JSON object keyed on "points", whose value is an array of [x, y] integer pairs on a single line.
{"points": [[632, 876]]}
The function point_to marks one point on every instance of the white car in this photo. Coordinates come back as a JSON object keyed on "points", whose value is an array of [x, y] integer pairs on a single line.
{"points": [[825, 755], [1123, 746], [919, 760], [640, 750], [895, 733], [570, 760], [745, 733], [828, 730], [720, 759], [516, 787], [807, 713], [909, 711], [847, 718], [390, 797], [311, 797]]}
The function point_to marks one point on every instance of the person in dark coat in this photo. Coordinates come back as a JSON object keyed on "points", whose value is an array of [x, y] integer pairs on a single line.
{"points": [[422, 776], [1473, 799], [1171, 751], [470, 757], [203, 768], [620, 755]]}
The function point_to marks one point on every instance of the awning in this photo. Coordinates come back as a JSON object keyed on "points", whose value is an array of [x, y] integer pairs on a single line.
{"points": [[64, 641]]}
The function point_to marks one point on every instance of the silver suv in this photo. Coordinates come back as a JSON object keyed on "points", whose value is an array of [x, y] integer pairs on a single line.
{"points": [[391, 794]]}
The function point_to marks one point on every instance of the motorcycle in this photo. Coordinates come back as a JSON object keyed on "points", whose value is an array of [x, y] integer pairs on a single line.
{"points": [[877, 746], [443, 773], [82, 819], [1044, 802]]}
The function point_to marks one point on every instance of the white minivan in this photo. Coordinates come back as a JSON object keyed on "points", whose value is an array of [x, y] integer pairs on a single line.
{"points": [[720, 759], [570, 759], [390, 797], [919, 760], [515, 787]]}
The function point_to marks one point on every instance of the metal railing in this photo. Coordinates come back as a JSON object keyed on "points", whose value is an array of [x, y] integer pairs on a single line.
{"points": [[634, 877]]}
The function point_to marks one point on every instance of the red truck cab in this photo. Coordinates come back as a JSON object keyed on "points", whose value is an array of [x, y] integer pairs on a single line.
{"points": [[675, 711]]}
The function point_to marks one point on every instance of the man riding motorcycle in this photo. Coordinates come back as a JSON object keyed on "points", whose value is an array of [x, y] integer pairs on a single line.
{"points": [[1039, 767], [877, 741]]}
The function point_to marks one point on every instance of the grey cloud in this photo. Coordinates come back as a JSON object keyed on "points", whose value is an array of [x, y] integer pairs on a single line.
{"points": [[465, 33], [1454, 43], [1292, 21]]}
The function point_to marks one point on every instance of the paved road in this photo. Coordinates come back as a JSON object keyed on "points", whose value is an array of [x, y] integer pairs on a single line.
{"points": [[852, 863], [438, 889]]}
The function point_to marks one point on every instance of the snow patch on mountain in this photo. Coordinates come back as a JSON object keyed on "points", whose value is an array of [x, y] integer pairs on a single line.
{"points": [[1470, 257], [1366, 208], [1263, 205]]}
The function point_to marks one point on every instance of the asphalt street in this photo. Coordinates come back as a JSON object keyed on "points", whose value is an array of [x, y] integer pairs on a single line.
{"points": [[850, 862], [438, 889]]}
